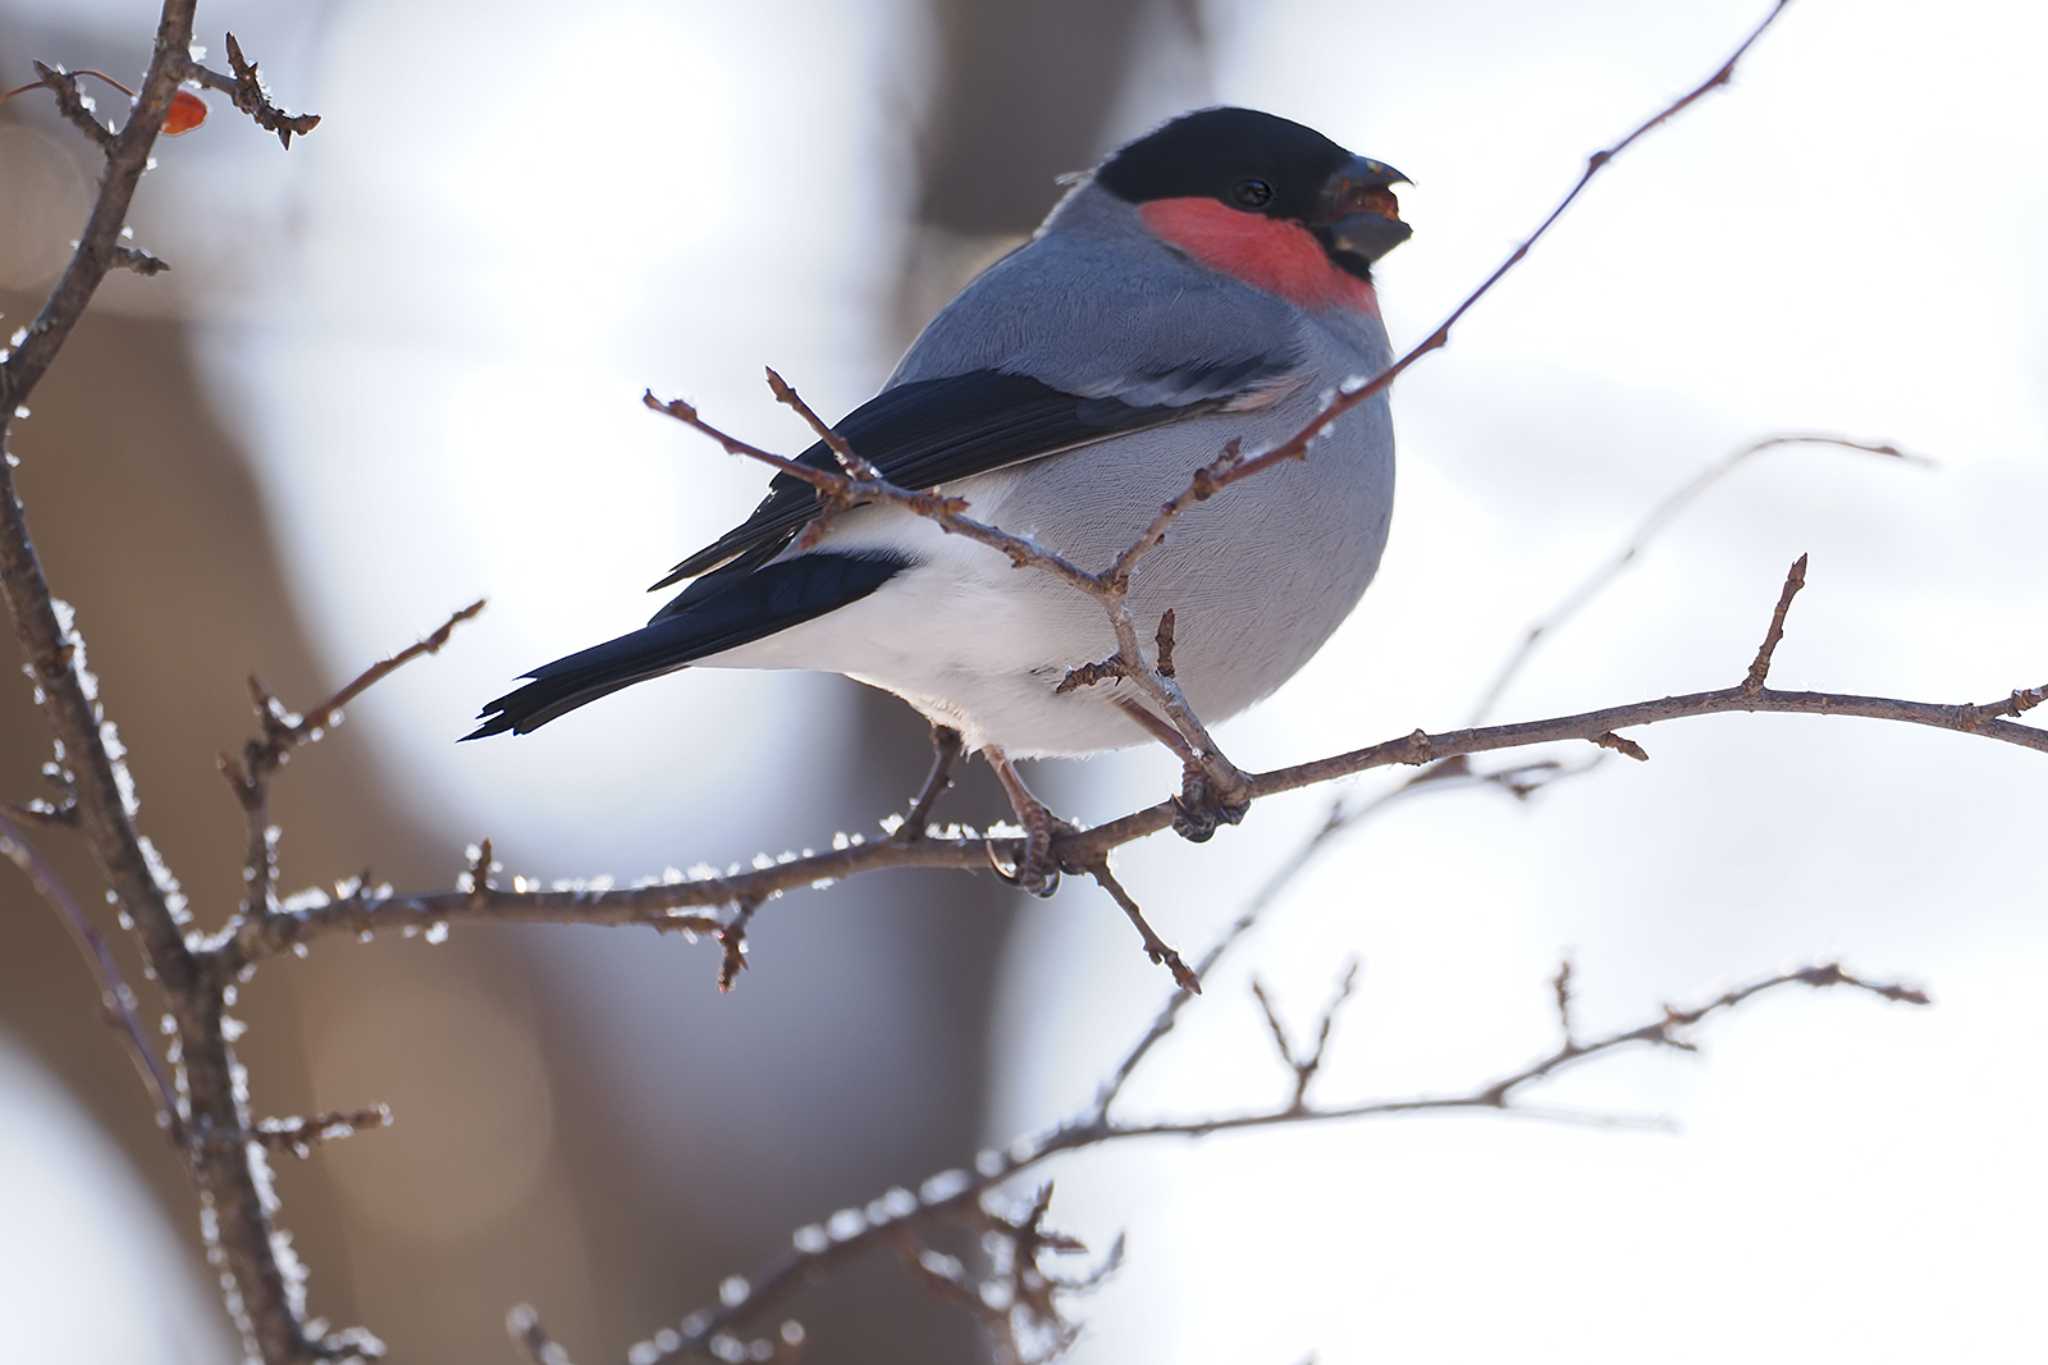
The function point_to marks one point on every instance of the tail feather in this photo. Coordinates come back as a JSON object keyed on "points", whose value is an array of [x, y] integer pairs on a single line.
{"points": [[719, 612]]}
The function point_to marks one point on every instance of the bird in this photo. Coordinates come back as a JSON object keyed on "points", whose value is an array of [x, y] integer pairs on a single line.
{"points": [[1208, 282]]}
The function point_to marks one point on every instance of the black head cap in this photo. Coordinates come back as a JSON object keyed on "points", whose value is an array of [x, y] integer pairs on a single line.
{"points": [[1228, 154]]}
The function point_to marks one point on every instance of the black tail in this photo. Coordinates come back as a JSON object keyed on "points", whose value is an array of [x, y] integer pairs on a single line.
{"points": [[718, 612]]}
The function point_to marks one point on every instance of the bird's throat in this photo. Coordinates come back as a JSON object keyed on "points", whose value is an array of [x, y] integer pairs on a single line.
{"points": [[1279, 257]]}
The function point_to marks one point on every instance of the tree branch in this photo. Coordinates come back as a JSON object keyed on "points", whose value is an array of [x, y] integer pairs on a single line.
{"points": [[245, 87], [282, 731], [897, 1217], [265, 1301], [1760, 667], [1667, 510], [314, 915], [117, 1001]]}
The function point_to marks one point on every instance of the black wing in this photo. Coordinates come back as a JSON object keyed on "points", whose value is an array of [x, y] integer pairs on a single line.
{"points": [[935, 431], [717, 613]]}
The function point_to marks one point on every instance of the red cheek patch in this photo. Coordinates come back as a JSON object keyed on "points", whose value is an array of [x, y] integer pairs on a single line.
{"points": [[1278, 257]]}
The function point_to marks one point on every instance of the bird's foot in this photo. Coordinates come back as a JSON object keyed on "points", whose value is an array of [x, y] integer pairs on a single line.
{"points": [[1037, 869], [1205, 805]]}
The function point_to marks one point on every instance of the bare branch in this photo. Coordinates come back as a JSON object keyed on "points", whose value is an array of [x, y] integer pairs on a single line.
{"points": [[855, 466], [1561, 987], [1089, 674], [72, 104], [117, 1001], [245, 87], [1156, 948], [946, 750], [140, 261], [1274, 1027], [300, 1136], [1296, 447], [652, 904], [732, 938], [1306, 1068], [2022, 700], [896, 1219], [1306, 1065], [282, 731], [1659, 517], [1760, 668]]}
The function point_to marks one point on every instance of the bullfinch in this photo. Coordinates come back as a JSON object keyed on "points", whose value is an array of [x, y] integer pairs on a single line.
{"points": [[1211, 281]]}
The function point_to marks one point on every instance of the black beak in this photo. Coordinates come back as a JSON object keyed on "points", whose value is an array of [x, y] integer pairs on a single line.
{"points": [[1358, 216]]}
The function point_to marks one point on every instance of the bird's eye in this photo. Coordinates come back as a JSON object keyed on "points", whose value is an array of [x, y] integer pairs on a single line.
{"points": [[1252, 194]]}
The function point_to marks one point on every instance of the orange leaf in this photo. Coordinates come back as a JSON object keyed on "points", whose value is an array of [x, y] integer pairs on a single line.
{"points": [[188, 111]]}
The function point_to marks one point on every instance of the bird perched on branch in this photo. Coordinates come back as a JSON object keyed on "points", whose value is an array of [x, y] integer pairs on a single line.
{"points": [[1208, 283]]}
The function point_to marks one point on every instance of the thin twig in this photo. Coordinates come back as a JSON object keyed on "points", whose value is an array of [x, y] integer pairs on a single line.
{"points": [[1760, 667], [300, 1136], [283, 731], [1561, 988], [946, 750], [1653, 523], [896, 1218], [72, 104], [1296, 447], [245, 87], [117, 1001], [1156, 948], [732, 939], [280, 733]]}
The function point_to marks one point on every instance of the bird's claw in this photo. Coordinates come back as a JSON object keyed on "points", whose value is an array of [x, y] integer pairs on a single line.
{"points": [[1202, 808], [1037, 869]]}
